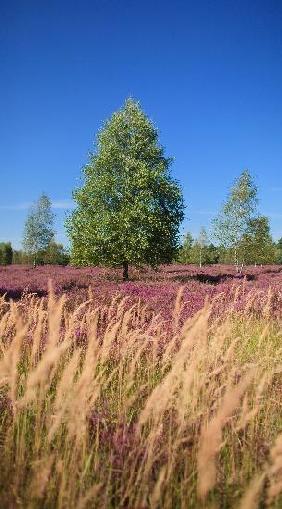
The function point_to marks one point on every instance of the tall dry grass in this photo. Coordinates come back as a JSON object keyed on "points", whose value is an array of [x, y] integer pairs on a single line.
{"points": [[106, 407]]}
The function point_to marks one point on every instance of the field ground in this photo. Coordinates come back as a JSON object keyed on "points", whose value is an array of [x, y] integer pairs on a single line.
{"points": [[156, 289], [161, 392]]}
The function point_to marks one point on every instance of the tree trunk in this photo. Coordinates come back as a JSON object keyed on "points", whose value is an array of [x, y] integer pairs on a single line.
{"points": [[125, 271], [236, 259]]}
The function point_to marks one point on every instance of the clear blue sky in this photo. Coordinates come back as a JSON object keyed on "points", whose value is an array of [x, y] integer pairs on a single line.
{"points": [[208, 73]]}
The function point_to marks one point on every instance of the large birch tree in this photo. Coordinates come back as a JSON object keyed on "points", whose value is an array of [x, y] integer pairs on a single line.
{"points": [[129, 208]]}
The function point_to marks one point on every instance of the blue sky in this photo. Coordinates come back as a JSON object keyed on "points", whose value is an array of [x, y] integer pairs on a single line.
{"points": [[208, 73]]}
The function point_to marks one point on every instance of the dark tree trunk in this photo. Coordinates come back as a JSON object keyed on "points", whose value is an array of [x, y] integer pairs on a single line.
{"points": [[125, 271]]}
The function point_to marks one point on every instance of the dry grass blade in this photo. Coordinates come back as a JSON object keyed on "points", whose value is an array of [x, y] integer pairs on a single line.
{"points": [[211, 436], [110, 405], [275, 472], [250, 499]]}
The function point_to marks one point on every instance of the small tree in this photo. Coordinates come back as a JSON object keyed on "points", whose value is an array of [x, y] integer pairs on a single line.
{"points": [[279, 251], [203, 242], [55, 254], [6, 253], [129, 208], [212, 254], [232, 222], [39, 229], [200, 247], [186, 249], [19, 257], [257, 244]]}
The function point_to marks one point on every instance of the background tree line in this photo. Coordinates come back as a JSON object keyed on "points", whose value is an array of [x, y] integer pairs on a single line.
{"points": [[242, 235], [39, 246], [129, 210], [254, 251], [6, 253]]}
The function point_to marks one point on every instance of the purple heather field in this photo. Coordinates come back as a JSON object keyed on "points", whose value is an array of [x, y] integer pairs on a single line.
{"points": [[157, 289]]}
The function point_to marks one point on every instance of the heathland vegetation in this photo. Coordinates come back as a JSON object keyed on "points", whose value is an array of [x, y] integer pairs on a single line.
{"points": [[112, 405], [161, 390]]}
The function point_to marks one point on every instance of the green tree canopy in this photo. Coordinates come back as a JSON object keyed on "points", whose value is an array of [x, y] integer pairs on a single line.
{"points": [[212, 254], [39, 227], [257, 243], [199, 249], [233, 219], [279, 251], [55, 254], [186, 249], [6, 253], [129, 208]]}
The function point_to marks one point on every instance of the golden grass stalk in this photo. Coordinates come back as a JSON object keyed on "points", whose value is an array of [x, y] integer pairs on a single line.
{"points": [[105, 406], [250, 499], [211, 435], [275, 471]]}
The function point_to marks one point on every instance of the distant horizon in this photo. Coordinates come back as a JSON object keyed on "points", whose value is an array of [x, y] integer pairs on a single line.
{"points": [[208, 75]]}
